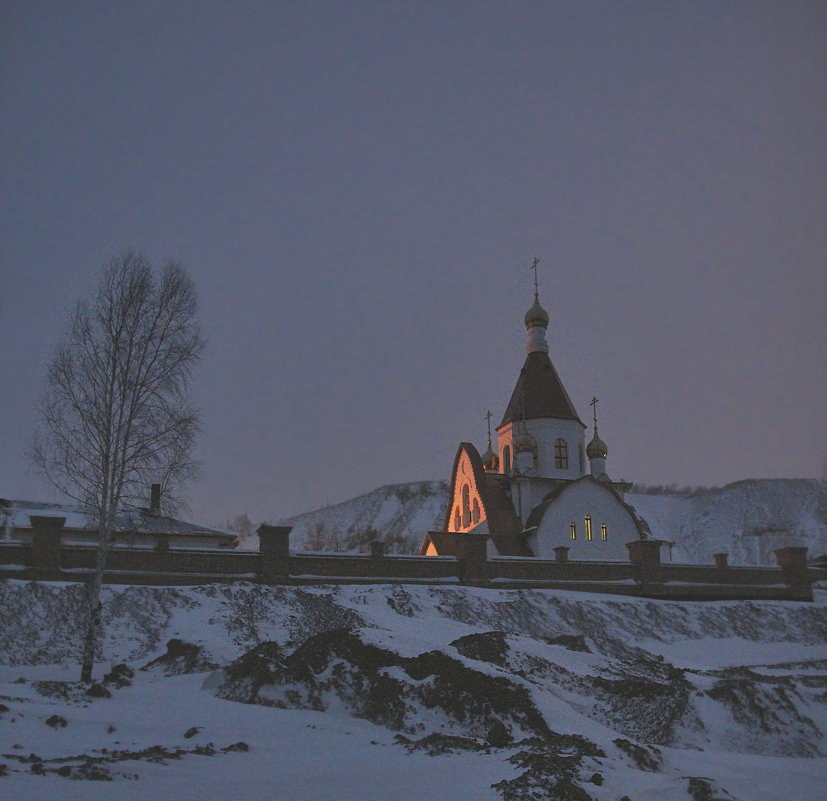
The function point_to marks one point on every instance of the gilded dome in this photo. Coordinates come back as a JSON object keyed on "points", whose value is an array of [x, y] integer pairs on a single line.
{"points": [[596, 449], [525, 442], [536, 315], [490, 460]]}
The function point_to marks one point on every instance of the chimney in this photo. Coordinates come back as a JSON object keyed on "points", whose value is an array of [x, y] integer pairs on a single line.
{"points": [[155, 499]]}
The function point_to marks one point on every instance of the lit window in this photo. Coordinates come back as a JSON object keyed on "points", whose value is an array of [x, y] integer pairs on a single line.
{"points": [[475, 512], [466, 506], [561, 454], [588, 528], [604, 532], [506, 459], [573, 529]]}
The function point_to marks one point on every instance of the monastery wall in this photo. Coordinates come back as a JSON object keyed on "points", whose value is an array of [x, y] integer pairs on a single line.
{"points": [[47, 558]]}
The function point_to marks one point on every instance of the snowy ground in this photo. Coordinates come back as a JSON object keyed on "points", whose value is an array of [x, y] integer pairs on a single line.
{"points": [[601, 697]]}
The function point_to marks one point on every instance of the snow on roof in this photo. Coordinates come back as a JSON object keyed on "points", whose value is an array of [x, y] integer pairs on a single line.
{"points": [[131, 519]]}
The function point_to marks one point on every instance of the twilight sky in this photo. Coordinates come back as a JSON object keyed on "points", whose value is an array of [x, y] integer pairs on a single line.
{"points": [[359, 188]]}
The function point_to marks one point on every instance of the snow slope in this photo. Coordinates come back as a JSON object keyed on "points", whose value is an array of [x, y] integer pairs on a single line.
{"points": [[398, 514], [409, 692], [747, 519]]}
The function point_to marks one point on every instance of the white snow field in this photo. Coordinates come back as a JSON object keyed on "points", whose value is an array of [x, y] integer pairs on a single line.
{"points": [[411, 692]]}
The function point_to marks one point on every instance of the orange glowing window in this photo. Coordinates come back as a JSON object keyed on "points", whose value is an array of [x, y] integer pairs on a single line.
{"points": [[573, 529], [604, 532], [588, 528]]}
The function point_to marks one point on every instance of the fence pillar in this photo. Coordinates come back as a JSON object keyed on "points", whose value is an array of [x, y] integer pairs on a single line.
{"points": [[46, 533], [377, 549], [274, 550], [645, 558], [720, 559], [472, 555], [561, 553], [793, 561], [162, 541]]}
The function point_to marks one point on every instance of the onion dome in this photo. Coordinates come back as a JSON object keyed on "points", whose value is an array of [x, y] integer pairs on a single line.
{"points": [[524, 442], [490, 460], [536, 315], [596, 449]]}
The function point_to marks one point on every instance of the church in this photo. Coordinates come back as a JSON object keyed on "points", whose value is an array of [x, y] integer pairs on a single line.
{"points": [[535, 495]]}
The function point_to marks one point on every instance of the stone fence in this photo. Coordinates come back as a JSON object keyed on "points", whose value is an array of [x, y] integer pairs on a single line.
{"points": [[48, 559]]}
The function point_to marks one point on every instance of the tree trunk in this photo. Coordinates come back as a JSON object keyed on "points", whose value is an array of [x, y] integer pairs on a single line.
{"points": [[94, 621]]}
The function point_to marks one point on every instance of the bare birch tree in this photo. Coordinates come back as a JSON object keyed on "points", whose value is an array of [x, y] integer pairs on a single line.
{"points": [[115, 413]]}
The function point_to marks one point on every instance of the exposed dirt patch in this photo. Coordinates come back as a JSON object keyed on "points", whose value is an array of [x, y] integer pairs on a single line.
{"points": [[487, 647], [180, 657]]}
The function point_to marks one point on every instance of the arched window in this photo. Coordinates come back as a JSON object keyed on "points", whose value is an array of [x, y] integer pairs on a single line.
{"points": [[475, 512], [457, 521], [561, 454], [466, 506], [604, 532], [589, 528], [506, 459], [573, 529]]}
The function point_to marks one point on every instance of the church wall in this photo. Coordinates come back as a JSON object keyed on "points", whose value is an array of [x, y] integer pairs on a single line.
{"points": [[475, 512], [572, 505], [546, 431]]}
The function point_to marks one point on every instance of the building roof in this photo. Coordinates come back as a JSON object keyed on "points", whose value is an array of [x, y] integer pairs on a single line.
{"points": [[540, 392], [133, 520]]}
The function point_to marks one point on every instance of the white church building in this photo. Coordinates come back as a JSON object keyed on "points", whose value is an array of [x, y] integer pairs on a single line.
{"points": [[538, 493]]}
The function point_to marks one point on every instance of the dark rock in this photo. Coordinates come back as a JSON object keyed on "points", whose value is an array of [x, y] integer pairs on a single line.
{"points": [[64, 770], [339, 663], [192, 731], [703, 789], [596, 779], [56, 721], [645, 757], [574, 642], [120, 676], [239, 746], [487, 647], [498, 735], [98, 691], [181, 657]]}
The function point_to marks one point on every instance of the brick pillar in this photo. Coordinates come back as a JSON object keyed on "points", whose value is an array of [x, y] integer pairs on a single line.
{"points": [[472, 555], [793, 561], [561, 553], [645, 558], [46, 533], [377, 549], [274, 548], [720, 559]]}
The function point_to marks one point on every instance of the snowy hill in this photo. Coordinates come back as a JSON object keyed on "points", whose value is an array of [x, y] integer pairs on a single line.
{"points": [[747, 519], [398, 514], [410, 692]]}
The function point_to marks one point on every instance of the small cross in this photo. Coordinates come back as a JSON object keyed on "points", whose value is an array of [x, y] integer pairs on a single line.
{"points": [[488, 417], [534, 267], [593, 404]]}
